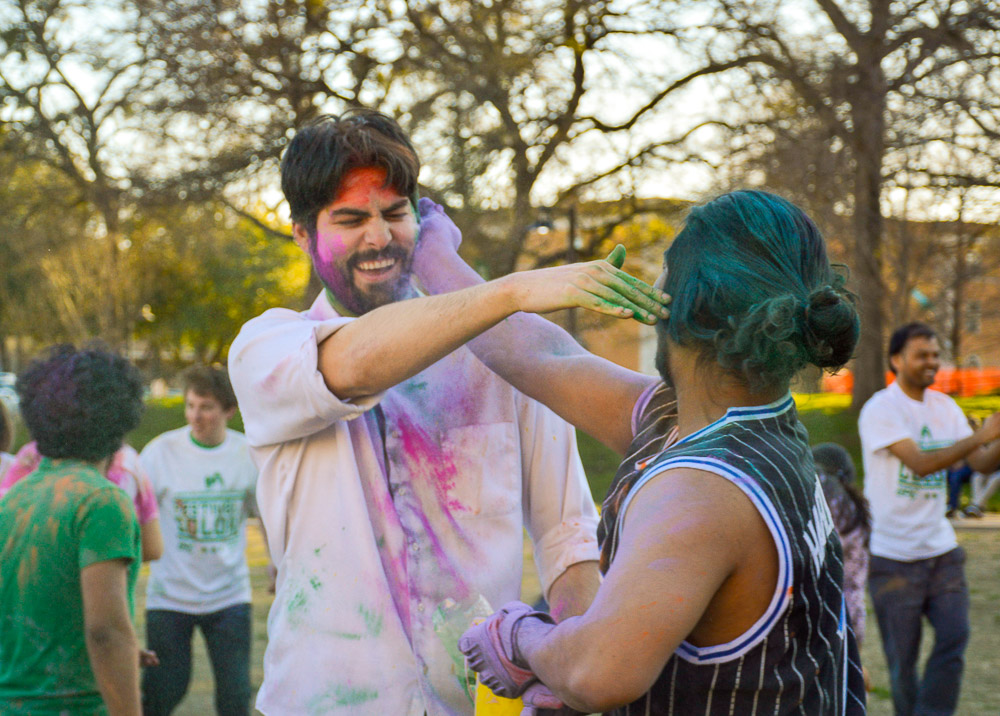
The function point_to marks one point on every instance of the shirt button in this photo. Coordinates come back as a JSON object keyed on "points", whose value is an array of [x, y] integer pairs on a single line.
{"points": [[420, 607]]}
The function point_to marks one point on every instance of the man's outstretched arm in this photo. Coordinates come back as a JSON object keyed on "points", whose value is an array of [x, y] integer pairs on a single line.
{"points": [[391, 343], [535, 355], [924, 462]]}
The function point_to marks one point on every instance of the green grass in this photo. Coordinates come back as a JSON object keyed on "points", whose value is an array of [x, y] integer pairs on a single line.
{"points": [[979, 693], [827, 418]]}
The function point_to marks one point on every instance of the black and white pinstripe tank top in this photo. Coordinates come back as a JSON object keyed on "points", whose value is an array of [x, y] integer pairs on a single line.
{"points": [[801, 656]]}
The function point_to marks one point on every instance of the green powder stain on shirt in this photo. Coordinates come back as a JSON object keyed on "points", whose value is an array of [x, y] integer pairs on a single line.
{"points": [[315, 583], [297, 602], [339, 696], [413, 386], [350, 636], [373, 621]]}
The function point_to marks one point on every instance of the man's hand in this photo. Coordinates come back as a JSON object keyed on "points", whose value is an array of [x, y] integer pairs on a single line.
{"points": [[596, 286], [148, 658], [991, 427], [492, 650]]}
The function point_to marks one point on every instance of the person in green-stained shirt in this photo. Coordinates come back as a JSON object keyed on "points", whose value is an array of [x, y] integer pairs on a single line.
{"points": [[69, 545]]}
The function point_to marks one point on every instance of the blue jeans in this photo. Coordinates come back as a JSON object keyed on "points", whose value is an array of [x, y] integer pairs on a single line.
{"points": [[227, 636], [903, 593], [957, 478]]}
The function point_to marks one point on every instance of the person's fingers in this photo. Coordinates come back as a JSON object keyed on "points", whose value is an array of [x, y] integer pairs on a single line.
{"points": [[593, 295], [643, 289], [613, 288], [617, 256]]}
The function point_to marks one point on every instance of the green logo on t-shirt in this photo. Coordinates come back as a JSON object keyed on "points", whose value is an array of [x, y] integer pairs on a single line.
{"points": [[911, 485], [208, 517], [214, 479]]}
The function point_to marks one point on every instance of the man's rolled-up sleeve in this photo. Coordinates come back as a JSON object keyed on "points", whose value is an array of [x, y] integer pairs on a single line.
{"points": [[558, 508], [273, 365]]}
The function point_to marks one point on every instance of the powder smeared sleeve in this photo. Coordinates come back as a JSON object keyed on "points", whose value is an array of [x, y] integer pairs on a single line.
{"points": [[273, 364], [558, 508], [107, 527]]}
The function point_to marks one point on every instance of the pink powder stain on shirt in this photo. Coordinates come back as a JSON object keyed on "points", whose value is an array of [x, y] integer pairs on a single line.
{"points": [[432, 461]]}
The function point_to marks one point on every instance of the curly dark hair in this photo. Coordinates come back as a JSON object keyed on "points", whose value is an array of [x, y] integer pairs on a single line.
{"points": [[80, 403]]}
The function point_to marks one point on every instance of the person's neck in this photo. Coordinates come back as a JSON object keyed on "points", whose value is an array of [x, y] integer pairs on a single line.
{"points": [[209, 441], [101, 465], [705, 393], [914, 392]]}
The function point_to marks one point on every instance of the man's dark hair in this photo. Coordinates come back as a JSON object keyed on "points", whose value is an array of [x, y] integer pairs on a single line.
{"points": [[323, 151], [902, 335], [6, 429], [80, 403], [210, 382]]}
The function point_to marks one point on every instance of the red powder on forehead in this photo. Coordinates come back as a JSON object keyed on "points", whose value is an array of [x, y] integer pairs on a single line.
{"points": [[360, 185]]}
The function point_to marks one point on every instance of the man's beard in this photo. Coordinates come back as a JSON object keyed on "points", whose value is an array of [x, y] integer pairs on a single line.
{"points": [[339, 280]]}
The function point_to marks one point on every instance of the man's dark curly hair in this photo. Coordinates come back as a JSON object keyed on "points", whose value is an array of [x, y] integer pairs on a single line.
{"points": [[80, 403]]}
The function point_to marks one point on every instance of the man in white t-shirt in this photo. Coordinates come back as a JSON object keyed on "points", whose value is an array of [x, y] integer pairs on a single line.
{"points": [[204, 481], [910, 435]]}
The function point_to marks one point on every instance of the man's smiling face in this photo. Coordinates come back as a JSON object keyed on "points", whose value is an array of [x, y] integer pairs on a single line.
{"points": [[363, 245]]}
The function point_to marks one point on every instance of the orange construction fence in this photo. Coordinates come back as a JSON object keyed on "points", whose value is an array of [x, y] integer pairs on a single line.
{"points": [[963, 382]]}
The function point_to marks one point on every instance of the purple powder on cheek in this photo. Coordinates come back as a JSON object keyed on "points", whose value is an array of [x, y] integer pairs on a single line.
{"points": [[326, 250]]}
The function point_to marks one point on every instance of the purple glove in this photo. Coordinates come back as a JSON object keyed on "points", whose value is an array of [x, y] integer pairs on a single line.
{"points": [[436, 248], [491, 649], [539, 701], [436, 227]]}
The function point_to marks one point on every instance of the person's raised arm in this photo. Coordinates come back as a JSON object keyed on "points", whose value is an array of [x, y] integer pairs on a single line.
{"points": [[393, 342], [926, 462], [111, 643], [535, 355]]}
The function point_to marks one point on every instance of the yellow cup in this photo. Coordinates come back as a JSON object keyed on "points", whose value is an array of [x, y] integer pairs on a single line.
{"points": [[489, 704]]}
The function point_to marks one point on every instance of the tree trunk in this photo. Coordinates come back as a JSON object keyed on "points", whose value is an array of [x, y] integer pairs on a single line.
{"points": [[869, 148]]}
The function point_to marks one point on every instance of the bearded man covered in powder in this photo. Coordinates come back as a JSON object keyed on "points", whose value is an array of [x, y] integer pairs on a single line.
{"points": [[396, 470]]}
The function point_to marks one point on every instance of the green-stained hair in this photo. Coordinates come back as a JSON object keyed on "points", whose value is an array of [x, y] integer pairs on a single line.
{"points": [[753, 289]]}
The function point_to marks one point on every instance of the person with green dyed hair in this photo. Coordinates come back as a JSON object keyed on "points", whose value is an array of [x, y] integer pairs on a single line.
{"points": [[723, 582], [753, 291]]}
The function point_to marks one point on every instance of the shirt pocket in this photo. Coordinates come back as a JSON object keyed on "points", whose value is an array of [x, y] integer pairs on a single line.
{"points": [[487, 462]]}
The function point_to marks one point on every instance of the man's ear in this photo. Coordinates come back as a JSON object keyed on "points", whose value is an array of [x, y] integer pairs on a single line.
{"points": [[301, 236], [894, 362]]}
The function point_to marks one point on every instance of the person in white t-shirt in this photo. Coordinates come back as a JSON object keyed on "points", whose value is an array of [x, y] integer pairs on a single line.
{"points": [[910, 435], [204, 481]]}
